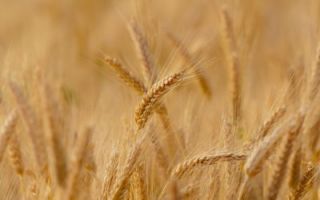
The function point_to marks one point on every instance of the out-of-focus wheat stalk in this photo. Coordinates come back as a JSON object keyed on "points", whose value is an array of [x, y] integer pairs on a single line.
{"points": [[230, 49], [32, 125]]}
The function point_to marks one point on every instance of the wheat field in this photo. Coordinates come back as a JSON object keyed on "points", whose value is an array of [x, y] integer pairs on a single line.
{"points": [[170, 99]]}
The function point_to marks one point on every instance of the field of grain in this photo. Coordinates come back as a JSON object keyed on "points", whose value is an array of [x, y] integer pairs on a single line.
{"points": [[159, 99]]}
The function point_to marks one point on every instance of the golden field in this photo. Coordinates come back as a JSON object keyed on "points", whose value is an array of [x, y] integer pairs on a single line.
{"points": [[170, 99]]}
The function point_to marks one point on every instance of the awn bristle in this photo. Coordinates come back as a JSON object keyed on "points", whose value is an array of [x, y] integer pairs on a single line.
{"points": [[188, 60]]}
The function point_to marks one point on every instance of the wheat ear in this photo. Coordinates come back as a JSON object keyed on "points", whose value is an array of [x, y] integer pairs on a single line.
{"points": [[305, 184], [15, 155], [32, 125], [152, 97], [7, 129], [123, 178], [296, 169], [138, 183], [281, 167], [183, 167], [138, 87], [261, 152], [54, 130], [77, 164], [143, 50], [267, 125], [185, 54], [125, 75], [315, 78], [110, 177], [233, 63]]}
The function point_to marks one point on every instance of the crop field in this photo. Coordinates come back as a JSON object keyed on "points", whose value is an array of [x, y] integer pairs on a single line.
{"points": [[159, 99]]}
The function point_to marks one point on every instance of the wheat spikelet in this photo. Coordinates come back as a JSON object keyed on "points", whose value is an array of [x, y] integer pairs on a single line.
{"points": [[152, 97], [6, 132], [305, 184], [183, 167], [233, 63], [110, 177], [129, 79], [77, 164], [185, 54], [15, 155], [281, 167], [32, 125], [123, 178], [143, 50]]}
